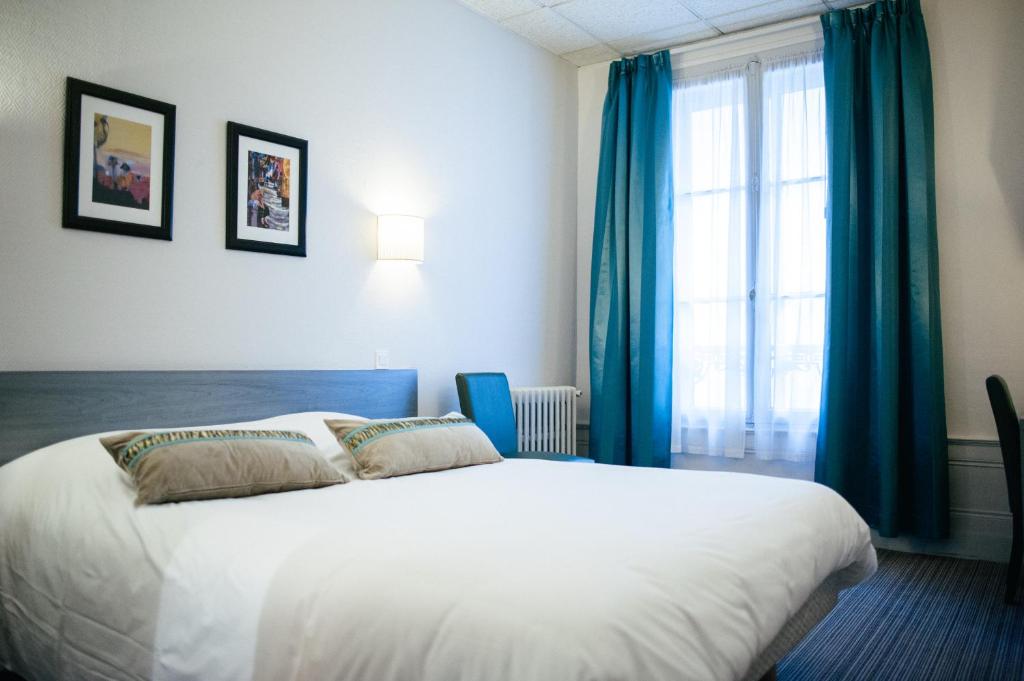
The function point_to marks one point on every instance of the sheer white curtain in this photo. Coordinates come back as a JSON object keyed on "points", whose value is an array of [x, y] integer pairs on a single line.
{"points": [[789, 313], [709, 376], [749, 260]]}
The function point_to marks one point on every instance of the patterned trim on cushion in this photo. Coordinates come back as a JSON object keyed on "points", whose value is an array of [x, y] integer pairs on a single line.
{"points": [[142, 445], [374, 430]]}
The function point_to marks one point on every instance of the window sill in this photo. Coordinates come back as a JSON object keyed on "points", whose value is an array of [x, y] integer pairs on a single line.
{"points": [[748, 464]]}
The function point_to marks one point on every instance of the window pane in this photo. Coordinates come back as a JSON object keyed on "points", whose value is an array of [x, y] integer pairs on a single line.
{"points": [[715, 369], [800, 230], [711, 235], [710, 135], [797, 355]]}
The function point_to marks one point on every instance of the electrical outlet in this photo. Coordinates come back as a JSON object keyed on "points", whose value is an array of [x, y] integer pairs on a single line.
{"points": [[381, 360]]}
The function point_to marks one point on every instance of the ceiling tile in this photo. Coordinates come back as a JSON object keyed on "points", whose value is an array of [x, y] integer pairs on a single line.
{"points": [[592, 55], [778, 10], [716, 8], [668, 37], [550, 31], [614, 19], [501, 9], [591, 31]]}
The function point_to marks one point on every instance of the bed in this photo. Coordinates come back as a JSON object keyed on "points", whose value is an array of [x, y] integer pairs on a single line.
{"points": [[517, 570]]}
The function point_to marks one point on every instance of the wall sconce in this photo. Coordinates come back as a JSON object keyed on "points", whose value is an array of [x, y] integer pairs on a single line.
{"points": [[399, 237]]}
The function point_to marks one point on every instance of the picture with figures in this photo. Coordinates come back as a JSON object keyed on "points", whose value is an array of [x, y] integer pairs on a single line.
{"points": [[269, 194], [118, 162], [266, 191]]}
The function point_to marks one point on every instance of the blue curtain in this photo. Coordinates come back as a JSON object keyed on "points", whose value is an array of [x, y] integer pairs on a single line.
{"points": [[631, 276], [882, 436]]}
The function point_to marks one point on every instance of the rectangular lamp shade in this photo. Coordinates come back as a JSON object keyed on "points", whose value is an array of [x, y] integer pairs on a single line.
{"points": [[399, 237]]}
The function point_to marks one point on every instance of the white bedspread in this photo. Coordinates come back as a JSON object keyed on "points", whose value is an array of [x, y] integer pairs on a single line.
{"points": [[522, 570]]}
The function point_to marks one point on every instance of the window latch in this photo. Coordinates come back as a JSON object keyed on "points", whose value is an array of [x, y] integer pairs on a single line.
{"points": [[751, 294]]}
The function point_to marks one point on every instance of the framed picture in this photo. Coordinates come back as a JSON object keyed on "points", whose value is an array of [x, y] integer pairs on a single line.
{"points": [[266, 191], [118, 162]]}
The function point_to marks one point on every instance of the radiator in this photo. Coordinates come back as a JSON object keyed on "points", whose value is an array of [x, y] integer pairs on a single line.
{"points": [[546, 418]]}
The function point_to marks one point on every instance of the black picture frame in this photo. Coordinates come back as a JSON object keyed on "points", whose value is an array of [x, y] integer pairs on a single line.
{"points": [[232, 239], [73, 174]]}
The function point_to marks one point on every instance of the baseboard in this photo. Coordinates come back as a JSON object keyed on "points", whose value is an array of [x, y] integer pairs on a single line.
{"points": [[979, 517], [583, 439], [975, 535]]}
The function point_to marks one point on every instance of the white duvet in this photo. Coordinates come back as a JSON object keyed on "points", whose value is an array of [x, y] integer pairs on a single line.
{"points": [[521, 570]]}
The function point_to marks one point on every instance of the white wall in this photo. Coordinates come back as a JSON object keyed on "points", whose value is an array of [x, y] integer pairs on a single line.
{"points": [[409, 106], [593, 84], [979, 119], [979, 180]]}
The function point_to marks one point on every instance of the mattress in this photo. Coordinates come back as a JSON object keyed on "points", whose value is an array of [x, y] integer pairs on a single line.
{"points": [[517, 570]]}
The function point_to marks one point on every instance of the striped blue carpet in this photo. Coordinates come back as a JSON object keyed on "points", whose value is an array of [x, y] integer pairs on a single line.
{"points": [[919, 617]]}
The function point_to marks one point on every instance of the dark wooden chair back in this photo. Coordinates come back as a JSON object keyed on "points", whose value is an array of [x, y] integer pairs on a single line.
{"points": [[1008, 427]]}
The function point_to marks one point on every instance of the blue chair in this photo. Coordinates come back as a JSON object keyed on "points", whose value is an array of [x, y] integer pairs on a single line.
{"points": [[486, 399]]}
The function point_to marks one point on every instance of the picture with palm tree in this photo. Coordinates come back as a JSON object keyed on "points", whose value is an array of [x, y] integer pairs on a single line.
{"points": [[121, 162], [118, 162]]}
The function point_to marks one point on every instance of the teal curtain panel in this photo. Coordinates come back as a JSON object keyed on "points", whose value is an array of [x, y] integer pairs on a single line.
{"points": [[631, 275], [882, 436]]}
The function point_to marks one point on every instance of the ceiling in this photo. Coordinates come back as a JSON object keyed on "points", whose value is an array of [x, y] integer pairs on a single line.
{"points": [[592, 31]]}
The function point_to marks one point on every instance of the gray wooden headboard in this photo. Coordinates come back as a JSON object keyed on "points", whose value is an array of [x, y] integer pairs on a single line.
{"points": [[38, 408]]}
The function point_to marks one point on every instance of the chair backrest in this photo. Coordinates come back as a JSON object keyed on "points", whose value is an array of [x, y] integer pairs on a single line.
{"points": [[487, 400], [1008, 426]]}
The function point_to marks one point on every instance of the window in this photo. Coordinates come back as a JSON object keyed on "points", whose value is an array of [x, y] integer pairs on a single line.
{"points": [[749, 149]]}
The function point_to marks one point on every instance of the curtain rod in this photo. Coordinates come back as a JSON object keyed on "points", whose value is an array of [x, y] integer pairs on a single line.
{"points": [[743, 36]]}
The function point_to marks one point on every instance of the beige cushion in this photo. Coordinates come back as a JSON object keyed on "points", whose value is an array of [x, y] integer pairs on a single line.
{"points": [[388, 447], [185, 465]]}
